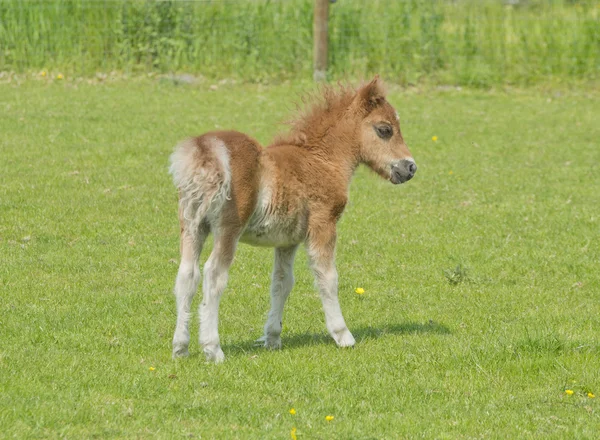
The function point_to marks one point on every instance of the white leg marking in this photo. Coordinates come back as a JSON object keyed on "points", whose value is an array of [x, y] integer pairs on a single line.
{"points": [[282, 282], [214, 283], [186, 285], [327, 282]]}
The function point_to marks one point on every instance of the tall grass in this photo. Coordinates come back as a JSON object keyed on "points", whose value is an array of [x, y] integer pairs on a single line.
{"points": [[474, 42]]}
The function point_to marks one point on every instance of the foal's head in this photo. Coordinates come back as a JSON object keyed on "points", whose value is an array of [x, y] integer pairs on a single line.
{"points": [[381, 145]]}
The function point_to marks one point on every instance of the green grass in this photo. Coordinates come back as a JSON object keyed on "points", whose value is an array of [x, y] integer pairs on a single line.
{"points": [[466, 42], [481, 298]]}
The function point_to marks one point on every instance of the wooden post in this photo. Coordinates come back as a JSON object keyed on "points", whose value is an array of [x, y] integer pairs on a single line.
{"points": [[320, 31]]}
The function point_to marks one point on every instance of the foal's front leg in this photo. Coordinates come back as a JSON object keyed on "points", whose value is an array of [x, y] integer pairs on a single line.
{"points": [[215, 280], [321, 252], [282, 282]]}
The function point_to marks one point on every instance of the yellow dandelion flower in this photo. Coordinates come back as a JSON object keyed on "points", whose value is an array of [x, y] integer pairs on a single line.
{"points": [[43, 73], [569, 392], [359, 290], [591, 395], [434, 138], [292, 411], [329, 418], [450, 172], [293, 434], [59, 76], [151, 368]]}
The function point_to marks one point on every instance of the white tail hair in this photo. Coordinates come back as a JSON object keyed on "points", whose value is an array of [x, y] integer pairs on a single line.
{"points": [[203, 176]]}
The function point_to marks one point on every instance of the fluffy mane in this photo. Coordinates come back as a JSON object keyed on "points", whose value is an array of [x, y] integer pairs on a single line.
{"points": [[321, 110]]}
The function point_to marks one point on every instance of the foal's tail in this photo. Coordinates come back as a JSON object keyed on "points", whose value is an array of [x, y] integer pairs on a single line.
{"points": [[201, 172]]}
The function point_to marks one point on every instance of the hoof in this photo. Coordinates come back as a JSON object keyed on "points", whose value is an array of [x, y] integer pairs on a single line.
{"points": [[214, 354], [344, 338], [180, 351], [269, 342]]}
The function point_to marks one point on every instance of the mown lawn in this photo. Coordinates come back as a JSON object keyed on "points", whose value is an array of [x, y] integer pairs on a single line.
{"points": [[481, 304]]}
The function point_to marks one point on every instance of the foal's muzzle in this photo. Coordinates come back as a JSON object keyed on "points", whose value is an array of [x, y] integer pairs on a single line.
{"points": [[403, 171]]}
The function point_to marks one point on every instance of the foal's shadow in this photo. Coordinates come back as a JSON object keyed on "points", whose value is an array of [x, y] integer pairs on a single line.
{"points": [[360, 334]]}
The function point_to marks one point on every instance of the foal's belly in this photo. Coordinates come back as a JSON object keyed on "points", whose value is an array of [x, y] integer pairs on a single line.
{"points": [[275, 230]]}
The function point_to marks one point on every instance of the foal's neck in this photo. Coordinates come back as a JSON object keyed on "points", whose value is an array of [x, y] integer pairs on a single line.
{"points": [[338, 147]]}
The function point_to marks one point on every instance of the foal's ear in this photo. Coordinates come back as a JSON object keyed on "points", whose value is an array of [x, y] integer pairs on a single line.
{"points": [[372, 94]]}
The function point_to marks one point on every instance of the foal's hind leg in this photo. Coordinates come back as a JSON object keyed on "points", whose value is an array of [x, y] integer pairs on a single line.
{"points": [[282, 282], [215, 280], [186, 285]]}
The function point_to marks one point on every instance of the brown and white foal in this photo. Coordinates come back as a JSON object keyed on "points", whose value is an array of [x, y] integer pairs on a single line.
{"points": [[292, 192]]}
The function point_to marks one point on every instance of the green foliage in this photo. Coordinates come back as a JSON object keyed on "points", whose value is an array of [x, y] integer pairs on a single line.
{"points": [[466, 42], [89, 245]]}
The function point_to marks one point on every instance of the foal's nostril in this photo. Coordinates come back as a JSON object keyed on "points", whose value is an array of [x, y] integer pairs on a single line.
{"points": [[403, 171]]}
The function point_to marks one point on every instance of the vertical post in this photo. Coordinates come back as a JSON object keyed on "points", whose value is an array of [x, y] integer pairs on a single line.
{"points": [[320, 32]]}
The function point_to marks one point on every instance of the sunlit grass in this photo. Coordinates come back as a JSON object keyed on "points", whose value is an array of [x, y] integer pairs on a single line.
{"points": [[478, 302]]}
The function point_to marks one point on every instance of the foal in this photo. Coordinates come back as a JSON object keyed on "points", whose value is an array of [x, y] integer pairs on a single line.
{"points": [[292, 192]]}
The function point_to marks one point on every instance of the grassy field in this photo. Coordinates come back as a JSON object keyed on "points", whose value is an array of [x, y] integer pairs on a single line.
{"points": [[467, 42], [481, 298]]}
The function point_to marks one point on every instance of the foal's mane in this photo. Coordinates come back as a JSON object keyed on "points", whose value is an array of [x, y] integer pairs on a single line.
{"points": [[320, 110]]}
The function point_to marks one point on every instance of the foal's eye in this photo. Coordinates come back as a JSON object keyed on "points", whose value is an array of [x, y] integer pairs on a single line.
{"points": [[384, 131]]}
